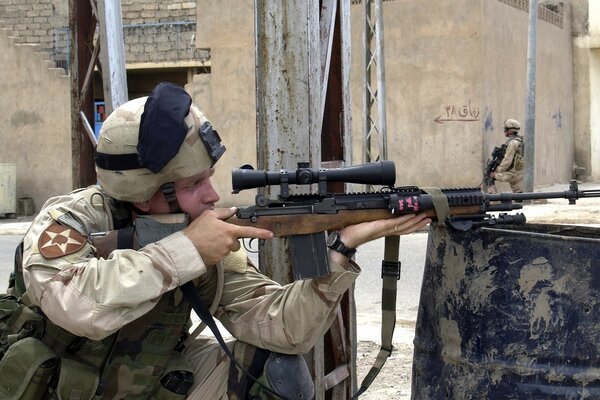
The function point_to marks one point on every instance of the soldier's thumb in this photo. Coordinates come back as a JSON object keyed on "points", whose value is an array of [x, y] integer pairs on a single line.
{"points": [[224, 213]]}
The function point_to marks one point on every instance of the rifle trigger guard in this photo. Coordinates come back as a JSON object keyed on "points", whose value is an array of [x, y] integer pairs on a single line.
{"points": [[248, 247]]}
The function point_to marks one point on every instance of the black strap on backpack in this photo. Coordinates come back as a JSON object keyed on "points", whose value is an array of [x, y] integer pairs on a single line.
{"points": [[16, 283]]}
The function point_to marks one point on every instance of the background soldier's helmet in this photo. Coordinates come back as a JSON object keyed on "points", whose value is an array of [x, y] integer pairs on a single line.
{"points": [[152, 141], [512, 125]]}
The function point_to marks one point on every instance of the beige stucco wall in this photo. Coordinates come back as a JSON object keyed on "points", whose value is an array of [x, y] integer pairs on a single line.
{"points": [[586, 49], [449, 59], [465, 61], [458, 60], [428, 48], [581, 84], [594, 74], [35, 127], [227, 95], [505, 79]]}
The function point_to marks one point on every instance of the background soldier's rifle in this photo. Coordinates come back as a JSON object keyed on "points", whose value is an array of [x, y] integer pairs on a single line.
{"points": [[492, 164], [305, 218]]}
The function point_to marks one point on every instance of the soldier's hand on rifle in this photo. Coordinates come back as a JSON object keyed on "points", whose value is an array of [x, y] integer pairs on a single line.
{"points": [[214, 238], [355, 235], [492, 174]]}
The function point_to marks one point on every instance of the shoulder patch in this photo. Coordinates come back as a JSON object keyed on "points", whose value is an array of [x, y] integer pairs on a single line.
{"points": [[58, 241]]}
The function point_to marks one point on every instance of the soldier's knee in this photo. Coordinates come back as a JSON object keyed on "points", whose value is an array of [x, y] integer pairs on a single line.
{"points": [[285, 375], [278, 376]]}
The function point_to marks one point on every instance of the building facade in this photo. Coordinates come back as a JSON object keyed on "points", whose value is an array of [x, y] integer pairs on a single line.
{"points": [[455, 69]]}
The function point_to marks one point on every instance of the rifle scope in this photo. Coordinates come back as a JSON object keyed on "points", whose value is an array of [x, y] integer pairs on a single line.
{"points": [[376, 173]]}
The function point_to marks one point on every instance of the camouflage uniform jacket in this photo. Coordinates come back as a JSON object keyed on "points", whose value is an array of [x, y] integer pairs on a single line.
{"points": [[95, 297], [513, 156]]}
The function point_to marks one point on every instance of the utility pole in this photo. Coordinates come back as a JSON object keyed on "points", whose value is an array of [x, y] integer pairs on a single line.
{"points": [[529, 137], [112, 54]]}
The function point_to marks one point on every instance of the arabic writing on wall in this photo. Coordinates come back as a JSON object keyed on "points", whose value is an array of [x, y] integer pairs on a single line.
{"points": [[460, 113]]}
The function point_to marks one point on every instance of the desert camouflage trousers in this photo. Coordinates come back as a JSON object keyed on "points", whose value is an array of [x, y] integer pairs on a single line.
{"points": [[211, 367], [514, 178]]}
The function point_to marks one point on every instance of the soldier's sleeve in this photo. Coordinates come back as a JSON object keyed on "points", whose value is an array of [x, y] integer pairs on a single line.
{"points": [[509, 155], [94, 297], [286, 319]]}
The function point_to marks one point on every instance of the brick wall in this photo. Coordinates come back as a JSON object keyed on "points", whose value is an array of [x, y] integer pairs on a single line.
{"points": [[137, 12], [159, 31], [34, 21], [154, 31]]}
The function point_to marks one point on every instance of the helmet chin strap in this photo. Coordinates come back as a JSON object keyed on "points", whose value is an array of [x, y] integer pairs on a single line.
{"points": [[168, 190]]}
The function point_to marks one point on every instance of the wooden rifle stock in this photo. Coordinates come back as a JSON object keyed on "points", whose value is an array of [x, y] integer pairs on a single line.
{"points": [[300, 224]]}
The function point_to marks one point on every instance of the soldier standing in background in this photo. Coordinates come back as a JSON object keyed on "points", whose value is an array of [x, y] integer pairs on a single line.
{"points": [[511, 164]]}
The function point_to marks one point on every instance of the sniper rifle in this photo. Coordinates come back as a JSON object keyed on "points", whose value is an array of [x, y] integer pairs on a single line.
{"points": [[305, 218]]}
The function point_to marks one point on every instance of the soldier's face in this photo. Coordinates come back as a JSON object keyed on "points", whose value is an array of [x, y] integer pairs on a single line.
{"points": [[196, 194]]}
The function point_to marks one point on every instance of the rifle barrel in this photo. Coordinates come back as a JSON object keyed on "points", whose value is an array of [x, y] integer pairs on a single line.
{"points": [[567, 194], [590, 193]]}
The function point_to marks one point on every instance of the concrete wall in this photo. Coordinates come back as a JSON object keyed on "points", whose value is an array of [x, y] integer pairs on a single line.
{"points": [[465, 62], [446, 62], [429, 49], [594, 74], [227, 95], [505, 74], [586, 56], [458, 60], [36, 124], [581, 84]]}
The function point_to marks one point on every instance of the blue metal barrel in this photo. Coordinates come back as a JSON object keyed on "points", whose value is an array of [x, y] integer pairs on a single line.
{"points": [[509, 313]]}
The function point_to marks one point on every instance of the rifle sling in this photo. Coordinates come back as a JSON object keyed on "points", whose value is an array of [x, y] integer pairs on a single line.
{"points": [[440, 203], [190, 292], [390, 274]]}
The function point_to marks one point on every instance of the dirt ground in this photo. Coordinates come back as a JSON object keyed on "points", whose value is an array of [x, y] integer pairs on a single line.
{"points": [[394, 379]]}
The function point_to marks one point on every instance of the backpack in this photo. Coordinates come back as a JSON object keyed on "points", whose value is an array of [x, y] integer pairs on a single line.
{"points": [[26, 364]]}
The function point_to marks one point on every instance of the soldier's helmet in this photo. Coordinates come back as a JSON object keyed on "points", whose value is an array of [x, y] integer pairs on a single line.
{"points": [[512, 125], [152, 141]]}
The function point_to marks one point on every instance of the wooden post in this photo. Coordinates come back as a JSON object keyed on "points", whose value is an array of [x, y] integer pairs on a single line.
{"points": [[303, 103], [82, 24]]}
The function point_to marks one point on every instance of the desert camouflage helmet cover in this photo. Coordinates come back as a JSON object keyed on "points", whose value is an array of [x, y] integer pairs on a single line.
{"points": [[154, 140], [512, 125]]}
